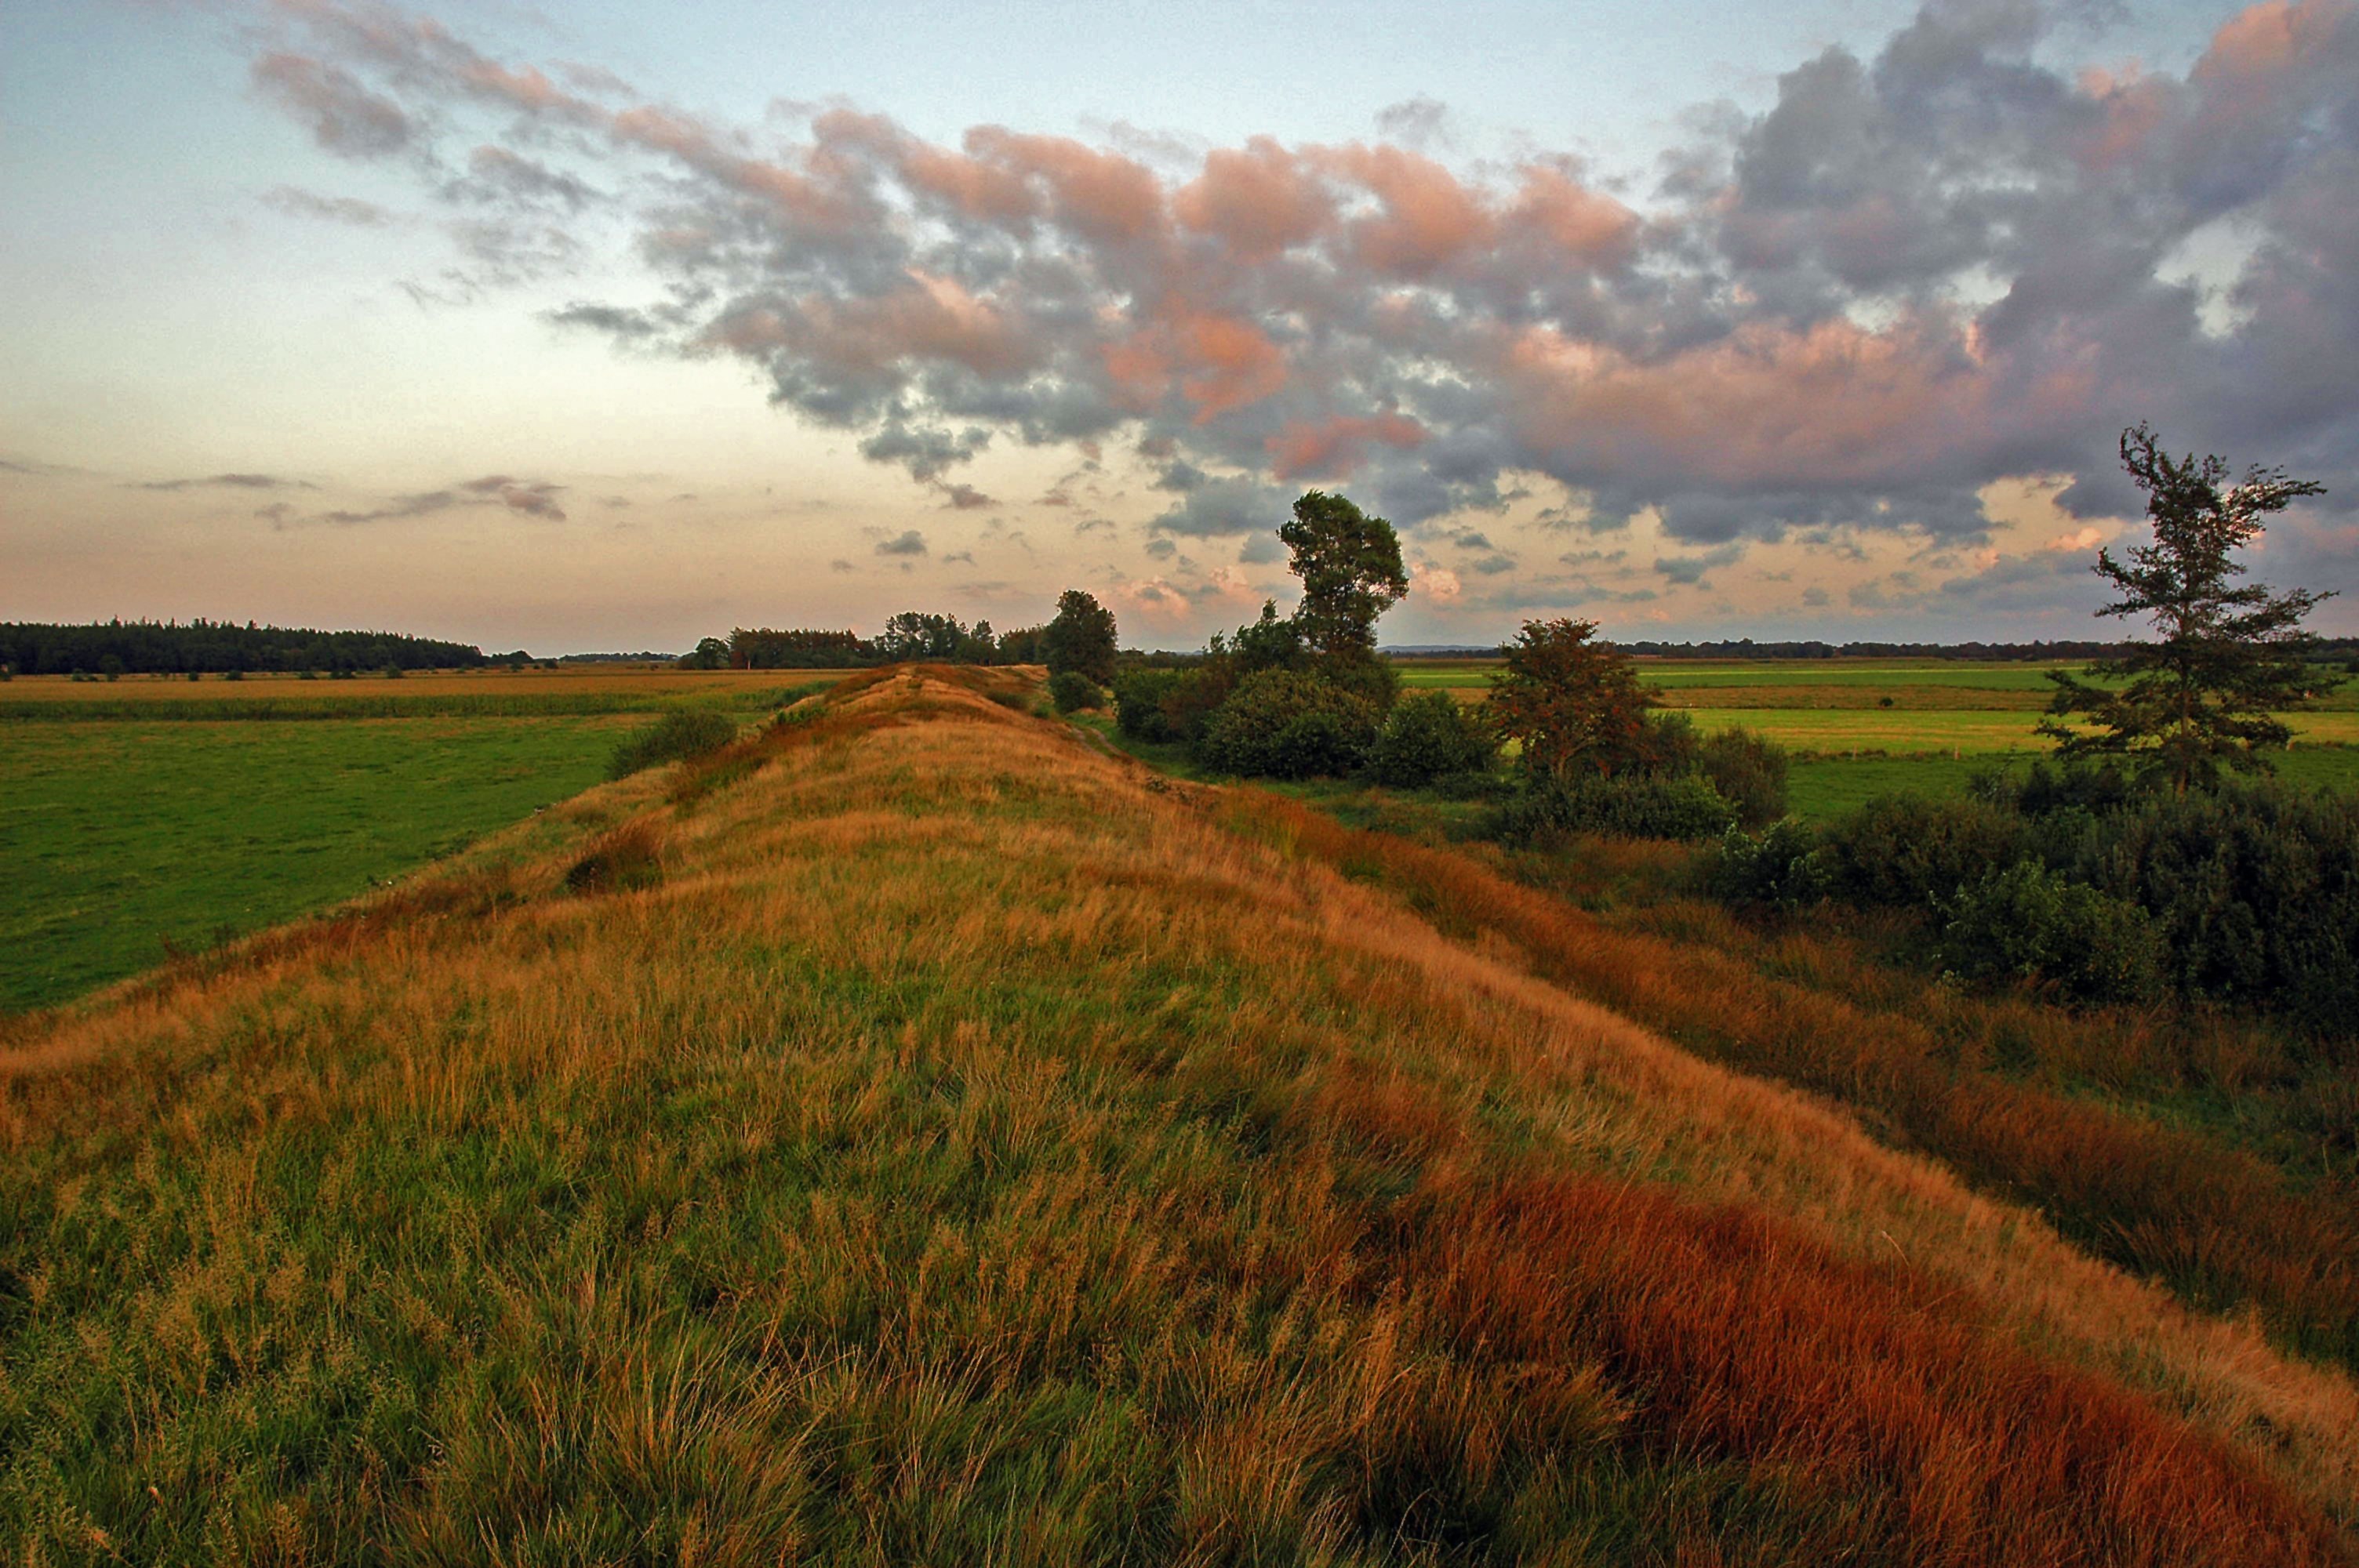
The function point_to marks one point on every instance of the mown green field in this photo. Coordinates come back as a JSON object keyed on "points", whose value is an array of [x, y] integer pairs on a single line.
{"points": [[119, 837]]}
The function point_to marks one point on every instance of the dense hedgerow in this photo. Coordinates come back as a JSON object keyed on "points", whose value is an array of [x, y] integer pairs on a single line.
{"points": [[688, 732], [2255, 888], [1628, 806], [2025, 922], [1912, 852], [1138, 699]]}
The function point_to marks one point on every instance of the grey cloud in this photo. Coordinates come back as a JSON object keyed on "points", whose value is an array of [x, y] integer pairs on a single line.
{"points": [[908, 543], [342, 114], [496, 175], [229, 482], [1926, 267], [1223, 506], [300, 204]]}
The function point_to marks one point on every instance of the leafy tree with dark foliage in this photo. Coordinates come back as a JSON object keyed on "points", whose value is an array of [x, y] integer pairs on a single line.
{"points": [[1080, 638], [1350, 565], [1574, 705], [2229, 656]]}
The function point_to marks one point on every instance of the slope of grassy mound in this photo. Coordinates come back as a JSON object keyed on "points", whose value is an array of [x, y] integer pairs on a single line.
{"points": [[951, 1144]]}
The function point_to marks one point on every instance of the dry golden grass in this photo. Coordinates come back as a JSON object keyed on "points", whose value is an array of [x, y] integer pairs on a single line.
{"points": [[967, 1145]]}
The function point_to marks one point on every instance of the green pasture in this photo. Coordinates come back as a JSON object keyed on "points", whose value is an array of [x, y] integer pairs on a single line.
{"points": [[117, 839], [1821, 788]]}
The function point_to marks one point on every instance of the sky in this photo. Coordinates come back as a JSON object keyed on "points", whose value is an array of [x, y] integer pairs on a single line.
{"points": [[602, 326]]}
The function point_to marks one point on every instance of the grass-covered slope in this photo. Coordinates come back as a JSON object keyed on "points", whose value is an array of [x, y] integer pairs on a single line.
{"points": [[922, 1137]]}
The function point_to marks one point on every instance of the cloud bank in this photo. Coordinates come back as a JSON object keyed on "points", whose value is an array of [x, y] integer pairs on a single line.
{"points": [[1915, 274]]}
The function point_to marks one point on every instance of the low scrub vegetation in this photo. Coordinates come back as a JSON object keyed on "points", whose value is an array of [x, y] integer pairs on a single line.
{"points": [[674, 737]]}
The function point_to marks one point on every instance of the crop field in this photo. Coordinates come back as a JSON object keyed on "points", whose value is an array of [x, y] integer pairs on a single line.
{"points": [[485, 694], [963, 1145]]}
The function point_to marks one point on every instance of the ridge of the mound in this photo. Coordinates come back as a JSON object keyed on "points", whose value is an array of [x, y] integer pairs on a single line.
{"points": [[950, 1142]]}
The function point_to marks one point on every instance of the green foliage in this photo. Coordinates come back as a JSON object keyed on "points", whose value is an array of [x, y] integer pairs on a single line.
{"points": [[1080, 638], [1287, 724], [1749, 772], [2229, 658], [1574, 705], [2255, 888], [687, 732], [1627, 805], [1780, 867], [709, 654], [1138, 699], [2025, 922], [1069, 690], [1272, 642], [1350, 565], [1427, 736], [1908, 851]]}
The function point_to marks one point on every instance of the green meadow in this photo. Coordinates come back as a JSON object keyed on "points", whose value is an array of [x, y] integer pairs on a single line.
{"points": [[121, 842]]}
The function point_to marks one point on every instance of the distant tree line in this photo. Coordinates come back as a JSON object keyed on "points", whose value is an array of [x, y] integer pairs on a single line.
{"points": [[211, 647], [912, 634]]}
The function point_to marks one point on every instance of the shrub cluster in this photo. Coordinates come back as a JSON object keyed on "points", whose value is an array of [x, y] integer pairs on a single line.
{"points": [[1428, 736], [1289, 724], [1071, 690], [2246, 893], [678, 735]]}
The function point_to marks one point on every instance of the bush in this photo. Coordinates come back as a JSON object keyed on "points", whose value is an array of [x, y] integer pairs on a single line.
{"points": [[1287, 724], [1427, 737], [1629, 805], [1195, 697], [1138, 699], [688, 732], [2255, 888], [1749, 772], [629, 857], [1781, 867], [1071, 690], [1910, 852], [2027, 923]]}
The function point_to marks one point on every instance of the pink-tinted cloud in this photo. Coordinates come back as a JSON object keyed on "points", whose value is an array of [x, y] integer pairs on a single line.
{"points": [[1333, 448], [1910, 277]]}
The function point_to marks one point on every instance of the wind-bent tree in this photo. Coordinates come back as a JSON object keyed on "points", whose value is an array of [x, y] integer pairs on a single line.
{"points": [[1080, 638], [1573, 705], [1350, 565], [2229, 656]]}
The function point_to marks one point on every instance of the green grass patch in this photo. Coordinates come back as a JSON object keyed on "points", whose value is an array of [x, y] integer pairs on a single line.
{"points": [[116, 838]]}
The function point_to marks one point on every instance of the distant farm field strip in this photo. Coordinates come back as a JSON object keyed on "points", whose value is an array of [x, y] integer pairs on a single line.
{"points": [[1900, 730], [496, 695], [117, 837]]}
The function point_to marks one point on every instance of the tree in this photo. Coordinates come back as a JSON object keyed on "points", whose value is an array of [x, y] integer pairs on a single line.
{"points": [[1080, 638], [1350, 565], [2229, 656], [1574, 705]]}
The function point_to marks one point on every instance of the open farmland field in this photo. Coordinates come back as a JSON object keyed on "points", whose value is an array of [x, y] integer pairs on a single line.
{"points": [[176, 820], [967, 1145], [1860, 727], [487, 694], [117, 839]]}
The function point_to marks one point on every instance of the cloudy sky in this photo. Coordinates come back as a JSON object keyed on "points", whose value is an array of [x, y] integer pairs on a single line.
{"points": [[608, 325]]}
